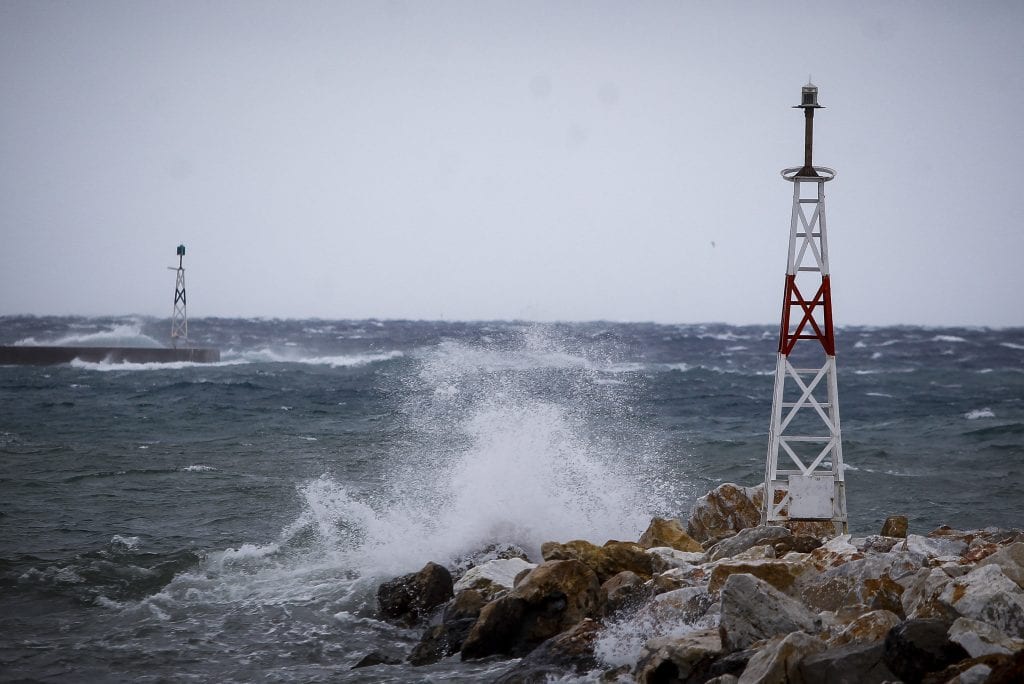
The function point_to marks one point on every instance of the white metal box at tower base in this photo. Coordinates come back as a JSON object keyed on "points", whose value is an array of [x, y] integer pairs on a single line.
{"points": [[811, 496]]}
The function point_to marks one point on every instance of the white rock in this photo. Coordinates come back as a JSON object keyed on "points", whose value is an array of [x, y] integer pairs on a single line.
{"points": [[980, 638], [779, 660], [493, 577], [1011, 560], [676, 559], [986, 594], [933, 547], [976, 674]]}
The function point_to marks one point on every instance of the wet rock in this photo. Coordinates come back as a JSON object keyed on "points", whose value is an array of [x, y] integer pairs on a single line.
{"points": [[869, 627], [834, 552], [624, 593], [917, 647], [555, 596], [753, 610], [986, 594], [867, 581], [664, 558], [923, 596], [779, 660], [895, 526], [1010, 671], [853, 663], [875, 543], [688, 604], [1011, 560], [781, 574], [795, 544], [822, 529], [493, 578], [725, 510], [672, 659], [410, 598], [498, 551], [980, 638], [670, 533], [445, 636], [377, 658], [677, 578], [745, 539], [606, 561], [566, 654]]}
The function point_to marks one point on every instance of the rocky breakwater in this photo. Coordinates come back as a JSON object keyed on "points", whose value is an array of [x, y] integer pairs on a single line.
{"points": [[725, 600]]}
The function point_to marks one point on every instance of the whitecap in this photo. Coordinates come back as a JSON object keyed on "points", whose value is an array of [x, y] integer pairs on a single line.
{"points": [[979, 413], [198, 468], [947, 338], [1011, 345]]}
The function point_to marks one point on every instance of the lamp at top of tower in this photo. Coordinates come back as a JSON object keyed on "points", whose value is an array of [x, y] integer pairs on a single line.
{"points": [[809, 97], [181, 250]]}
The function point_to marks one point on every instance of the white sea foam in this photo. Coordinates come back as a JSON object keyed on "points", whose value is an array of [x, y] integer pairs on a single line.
{"points": [[198, 468], [948, 338], [124, 335], [979, 413], [106, 366], [1011, 345], [268, 355], [123, 542]]}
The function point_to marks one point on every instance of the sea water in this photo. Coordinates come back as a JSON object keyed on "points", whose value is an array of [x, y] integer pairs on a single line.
{"points": [[231, 521]]}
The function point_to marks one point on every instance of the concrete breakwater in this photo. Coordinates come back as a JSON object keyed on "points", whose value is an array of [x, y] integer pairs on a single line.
{"points": [[42, 356], [723, 600]]}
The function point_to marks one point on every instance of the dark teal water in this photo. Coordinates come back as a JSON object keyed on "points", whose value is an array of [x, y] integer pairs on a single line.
{"points": [[230, 522]]}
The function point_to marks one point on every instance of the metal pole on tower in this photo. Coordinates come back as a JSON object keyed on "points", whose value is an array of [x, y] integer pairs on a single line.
{"points": [[179, 320], [804, 479]]}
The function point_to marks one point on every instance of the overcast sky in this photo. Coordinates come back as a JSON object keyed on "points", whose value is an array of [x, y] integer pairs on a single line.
{"points": [[496, 160]]}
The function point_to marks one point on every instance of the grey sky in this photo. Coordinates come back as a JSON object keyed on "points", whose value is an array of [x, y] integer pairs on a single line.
{"points": [[537, 160]]}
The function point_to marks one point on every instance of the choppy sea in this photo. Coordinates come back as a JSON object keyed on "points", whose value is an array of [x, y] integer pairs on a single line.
{"points": [[230, 522]]}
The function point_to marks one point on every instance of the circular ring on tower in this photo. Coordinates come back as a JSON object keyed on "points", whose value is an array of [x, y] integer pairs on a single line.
{"points": [[792, 174]]}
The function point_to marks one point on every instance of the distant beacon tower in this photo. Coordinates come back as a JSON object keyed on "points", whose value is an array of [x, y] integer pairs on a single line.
{"points": [[804, 433], [179, 321]]}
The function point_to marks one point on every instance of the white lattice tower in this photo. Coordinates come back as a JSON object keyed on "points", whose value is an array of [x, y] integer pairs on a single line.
{"points": [[804, 471], [179, 319]]}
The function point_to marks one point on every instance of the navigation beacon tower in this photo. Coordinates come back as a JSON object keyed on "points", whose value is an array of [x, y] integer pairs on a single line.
{"points": [[804, 477], [179, 321]]}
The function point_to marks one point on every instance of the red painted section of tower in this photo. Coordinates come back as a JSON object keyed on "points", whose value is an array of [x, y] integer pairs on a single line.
{"points": [[820, 328]]}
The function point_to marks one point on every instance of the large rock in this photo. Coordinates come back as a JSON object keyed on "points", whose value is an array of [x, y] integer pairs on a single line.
{"points": [[781, 574], [670, 533], [869, 627], [917, 647], [895, 526], [779, 660], [923, 596], [1011, 671], [445, 635], [753, 610], [934, 547], [555, 596], [410, 598], [986, 594], [1011, 560], [671, 659], [493, 578], [745, 539], [852, 663], [606, 561], [666, 558], [980, 638], [568, 654], [723, 511], [871, 581], [623, 593]]}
